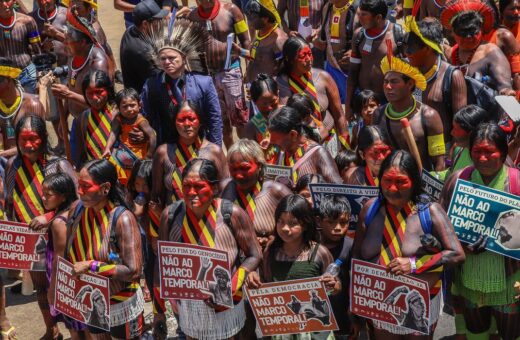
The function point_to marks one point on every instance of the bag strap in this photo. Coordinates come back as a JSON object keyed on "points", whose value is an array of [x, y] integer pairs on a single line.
{"points": [[118, 211], [226, 209], [446, 90], [466, 173], [514, 185], [425, 218], [372, 211]]}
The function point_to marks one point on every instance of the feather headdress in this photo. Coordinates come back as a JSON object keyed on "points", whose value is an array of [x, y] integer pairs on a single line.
{"points": [[187, 37], [391, 63], [457, 7], [81, 24], [410, 25]]}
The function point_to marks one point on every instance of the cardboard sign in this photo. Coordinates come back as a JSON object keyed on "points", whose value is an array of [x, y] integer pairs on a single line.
{"points": [[85, 298], [191, 272], [22, 247], [402, 300], [275, 171], [511, 106], [477, 210], [291, 307], [357, 196], [431, 185]]}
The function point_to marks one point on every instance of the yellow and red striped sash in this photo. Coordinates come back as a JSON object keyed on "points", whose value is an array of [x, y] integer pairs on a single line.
{"points": [[247, 200], [201, 232], [27, 193], [90, 234], [98, 131], [304, 84], [183, 154], [393, 233], [372, 181], [155, 221], [290, 160]]}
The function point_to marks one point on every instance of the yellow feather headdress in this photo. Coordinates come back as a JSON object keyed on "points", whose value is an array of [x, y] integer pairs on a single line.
{"points": [[393, 64]]}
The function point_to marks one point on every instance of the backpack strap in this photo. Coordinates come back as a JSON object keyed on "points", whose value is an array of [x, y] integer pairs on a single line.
{"points": [[425, 218], [226, 209], [372, 211], [514, 185], [77, 213], [399, 35], [118, 211], [466, 173], [446, 90]]}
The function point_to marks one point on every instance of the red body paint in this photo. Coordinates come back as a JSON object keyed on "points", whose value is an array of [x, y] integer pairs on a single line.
{"points": [[187, 118], [243, 170], [394, 181], [197, 189], [29, 140], [87, 187], [468, 43]]}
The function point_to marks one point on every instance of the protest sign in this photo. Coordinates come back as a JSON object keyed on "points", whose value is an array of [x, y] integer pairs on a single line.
{"points": [[192, 272], [85, 298], [403, 300], [357, 196], [22, 247], [431, 185], [290, 307], [478, 210], [275, 171]]}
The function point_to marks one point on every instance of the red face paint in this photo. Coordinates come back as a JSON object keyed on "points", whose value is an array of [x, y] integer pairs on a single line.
{"points": [[87, 187], [243, 170], [96, 93], [197, 189], [29, 140], [485, 151], [304, 55], [187, 118], [394, 180], [378, 152], [469, 43], [458, 132]]}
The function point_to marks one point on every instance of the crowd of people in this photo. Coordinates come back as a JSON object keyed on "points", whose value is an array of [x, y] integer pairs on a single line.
{"points": [[369, 93]]}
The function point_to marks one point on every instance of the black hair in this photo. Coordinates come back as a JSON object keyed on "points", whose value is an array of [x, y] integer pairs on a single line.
{"points": [[290, 51], [62, 184], [344, 158], [297, 206], [253, 6], [262, 84], [177, 109], [502, 4], [362, 99], [305, 180], [367, 136], [431, 29], [493, 133], [79, 36], [303, 103], [467, 24], [103, 171], [143, 169], [207, 171], [375, 7], [333, 206], [470, 117], [7, 62], [125, 93], [101, 80], [407, 164], [286, 119], [37, 125]]}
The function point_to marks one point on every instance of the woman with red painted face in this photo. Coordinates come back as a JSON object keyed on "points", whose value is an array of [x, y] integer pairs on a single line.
{"points": [[119, 259], [181, 222], [24, 188], [248, 189], [288, 133], [189, 142], [392, 236], [373, 147], [488, 150], [298, 76]]}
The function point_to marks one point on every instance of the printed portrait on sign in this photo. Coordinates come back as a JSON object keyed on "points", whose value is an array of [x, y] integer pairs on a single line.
{"points": [[508, 231]]}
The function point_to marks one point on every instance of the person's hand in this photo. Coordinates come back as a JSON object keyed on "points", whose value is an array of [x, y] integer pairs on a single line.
{"points": [[136, 135], [160, 328], [155, 207], [253, 280], [507, 92], [183, 12], [80, 267], [106, 154], [400, 266], [60, 91], [47, 45], [50, 31], [344, 62], [46, 80], [205, 263], [479, 245], [332, 284], [38, 223], [293, 34]]}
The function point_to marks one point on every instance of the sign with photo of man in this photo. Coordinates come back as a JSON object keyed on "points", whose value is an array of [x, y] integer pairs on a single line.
{"points": [[21, 247]]}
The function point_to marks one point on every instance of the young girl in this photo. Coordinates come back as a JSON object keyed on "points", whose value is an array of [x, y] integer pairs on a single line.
{"points": [[295, 252], [129, 118], [59, 192], [302, 186], [363, 106]]}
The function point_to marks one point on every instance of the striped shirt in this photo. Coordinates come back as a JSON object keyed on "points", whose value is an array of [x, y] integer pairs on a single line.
{"points": [[293, 13], [21, 41]]}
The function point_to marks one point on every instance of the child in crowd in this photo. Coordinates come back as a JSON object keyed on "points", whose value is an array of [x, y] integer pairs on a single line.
{"points": [[302, 186], [363, 106], [345, 160]]}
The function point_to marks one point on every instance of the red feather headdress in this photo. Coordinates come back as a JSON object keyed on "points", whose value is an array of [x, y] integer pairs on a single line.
{"points": [[455, 8]]}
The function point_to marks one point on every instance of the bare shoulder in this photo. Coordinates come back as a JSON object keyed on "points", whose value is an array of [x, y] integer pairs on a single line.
{"points": [[429, 112], [276, 189], [24, 18]]}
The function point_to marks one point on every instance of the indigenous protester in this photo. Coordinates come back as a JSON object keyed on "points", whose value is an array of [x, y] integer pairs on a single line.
{"points": [[298, 76], [201, 207], [15, 104], [345, 161], [222, 19], [189, 142], [389, 233], [305, 106], [247, 188], [423, 50], [401, 79], [19, 41], [373, 148], [288, 133], [295, 252], [183, 77], [364, 105], [127, 120], [333, 221], [302, 186], [137, 62], [488, 150], [101, 205], [24, 188], [368, 48], [509, 13], [265, 55]]}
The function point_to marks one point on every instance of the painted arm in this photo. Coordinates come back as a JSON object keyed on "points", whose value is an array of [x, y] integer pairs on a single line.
{"points": [[152, 138]]}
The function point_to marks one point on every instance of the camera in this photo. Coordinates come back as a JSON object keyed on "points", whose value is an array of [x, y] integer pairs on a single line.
{"points": [[46, 62]]}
